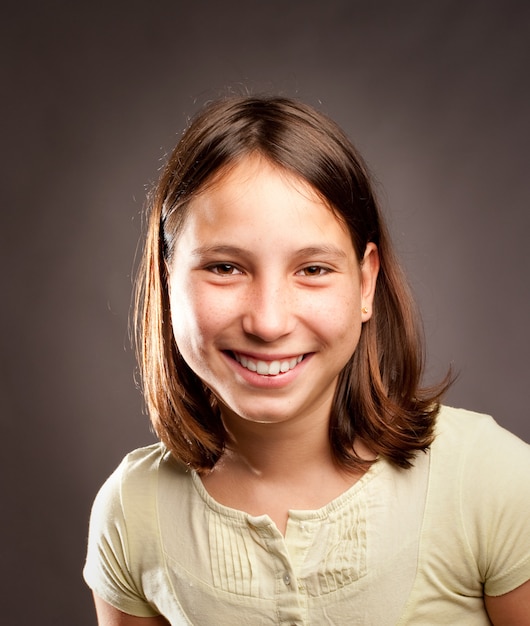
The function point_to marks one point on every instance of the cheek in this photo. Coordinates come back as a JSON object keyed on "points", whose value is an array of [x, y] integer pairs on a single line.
{"points": [[186, 315], [338, 316], [348, 331], [341, 329], [196, 319]]}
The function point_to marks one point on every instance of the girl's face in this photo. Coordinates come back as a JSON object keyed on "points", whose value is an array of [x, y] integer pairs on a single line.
{"points": [[267, 294]]}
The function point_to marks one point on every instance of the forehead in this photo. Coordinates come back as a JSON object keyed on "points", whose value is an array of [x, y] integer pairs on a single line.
{"points": [[252, 166], [254, 174], [262, 204]]}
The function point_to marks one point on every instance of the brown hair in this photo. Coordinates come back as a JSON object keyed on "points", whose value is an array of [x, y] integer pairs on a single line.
{"points": [[378, 396]]}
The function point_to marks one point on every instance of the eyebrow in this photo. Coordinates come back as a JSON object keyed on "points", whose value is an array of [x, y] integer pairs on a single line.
{"points": [[325, 250], [219, 249]]}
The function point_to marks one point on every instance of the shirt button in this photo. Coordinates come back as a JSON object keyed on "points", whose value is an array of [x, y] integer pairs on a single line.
{"points": [[287, 579]]}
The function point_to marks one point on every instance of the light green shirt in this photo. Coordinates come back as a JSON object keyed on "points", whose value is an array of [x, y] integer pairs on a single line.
{"points": [[411, 547]]}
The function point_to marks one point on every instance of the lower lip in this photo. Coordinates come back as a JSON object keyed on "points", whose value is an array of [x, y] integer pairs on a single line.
{"points": [[268, 382]]}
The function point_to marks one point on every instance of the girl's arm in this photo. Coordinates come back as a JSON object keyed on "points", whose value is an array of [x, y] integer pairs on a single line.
{"points": [[510, 609], [109, 616]]}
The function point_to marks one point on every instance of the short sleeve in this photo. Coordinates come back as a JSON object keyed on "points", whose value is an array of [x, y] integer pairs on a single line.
{"points": [[109, 569], [496, 507]]}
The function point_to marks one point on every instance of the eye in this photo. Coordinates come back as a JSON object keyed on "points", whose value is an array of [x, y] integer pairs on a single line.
{"points": [[224, 269], [313, 270]]}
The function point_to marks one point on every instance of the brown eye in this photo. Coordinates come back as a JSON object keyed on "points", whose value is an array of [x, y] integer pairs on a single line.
{"points": [[224, 269], [313, 270]]}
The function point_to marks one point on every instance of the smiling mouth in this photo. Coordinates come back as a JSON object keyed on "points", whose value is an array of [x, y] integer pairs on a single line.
{"points": [[267, 368]]}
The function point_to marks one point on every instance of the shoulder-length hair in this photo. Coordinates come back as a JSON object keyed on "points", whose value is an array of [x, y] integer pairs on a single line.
{"points": [[378, 396]]}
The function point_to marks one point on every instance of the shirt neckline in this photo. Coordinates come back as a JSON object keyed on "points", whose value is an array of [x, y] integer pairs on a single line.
{"points": [[325, 512]]}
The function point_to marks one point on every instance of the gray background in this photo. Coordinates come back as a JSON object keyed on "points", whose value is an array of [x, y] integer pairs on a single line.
{"points": [[435, 94]]}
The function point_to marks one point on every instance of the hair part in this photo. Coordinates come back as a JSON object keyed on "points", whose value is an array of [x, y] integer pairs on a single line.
{"points": [[379, 397]]}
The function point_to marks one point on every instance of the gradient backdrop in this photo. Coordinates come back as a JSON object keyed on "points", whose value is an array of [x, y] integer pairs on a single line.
{"points": [[435, 94]]}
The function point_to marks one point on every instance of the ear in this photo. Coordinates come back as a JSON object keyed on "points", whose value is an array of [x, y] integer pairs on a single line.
{"points": [[369, 271]]}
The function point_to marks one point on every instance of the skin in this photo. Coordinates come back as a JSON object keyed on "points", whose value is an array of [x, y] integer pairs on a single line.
{"points": [[510, 609], [265, 270], [109, 616]]}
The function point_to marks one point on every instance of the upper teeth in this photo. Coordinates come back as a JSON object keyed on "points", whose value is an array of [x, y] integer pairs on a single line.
{"points": [[268, 368]]}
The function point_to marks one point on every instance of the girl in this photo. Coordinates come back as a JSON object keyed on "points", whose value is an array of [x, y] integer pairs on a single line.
{"points": [[303, 475]]}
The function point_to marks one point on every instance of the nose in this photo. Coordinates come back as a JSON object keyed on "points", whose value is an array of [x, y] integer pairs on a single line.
{"points": [[269, 310]]}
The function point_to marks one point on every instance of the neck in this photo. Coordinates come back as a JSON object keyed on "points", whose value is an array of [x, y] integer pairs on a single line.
{"points": [[271, 468], [278, 450]]}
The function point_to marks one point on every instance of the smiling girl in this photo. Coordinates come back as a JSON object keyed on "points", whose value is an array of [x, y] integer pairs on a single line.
{"points": [[303, 475]]}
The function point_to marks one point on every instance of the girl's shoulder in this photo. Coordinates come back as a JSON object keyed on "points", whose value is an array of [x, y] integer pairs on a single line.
{"points": [[479, 492], [143, 462], [472, 449], [137, 479], [464, 433]]}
